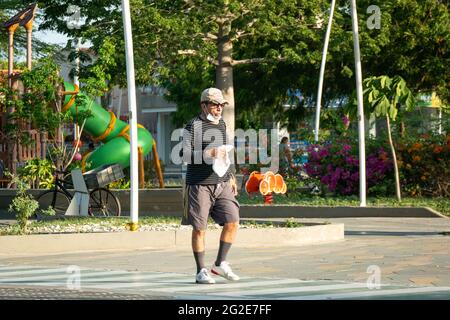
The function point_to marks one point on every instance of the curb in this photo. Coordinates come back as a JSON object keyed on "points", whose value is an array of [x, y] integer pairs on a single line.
{"points": [[70, 243], [293, 211]]}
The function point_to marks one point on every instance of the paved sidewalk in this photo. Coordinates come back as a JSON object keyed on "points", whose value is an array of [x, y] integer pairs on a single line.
{"points": [[409, 252]]}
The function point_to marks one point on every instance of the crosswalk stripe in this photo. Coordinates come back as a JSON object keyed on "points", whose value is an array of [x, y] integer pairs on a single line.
{"points": [[178, 281], [159, 280], [371, 293], [221, 287], [113, 286], [281, 290], [37, 271], [136, 277], [60, 276], [10, 268]]}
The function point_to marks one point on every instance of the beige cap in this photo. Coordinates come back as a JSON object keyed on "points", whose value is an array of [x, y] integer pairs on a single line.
{"points": [[213, 95]]}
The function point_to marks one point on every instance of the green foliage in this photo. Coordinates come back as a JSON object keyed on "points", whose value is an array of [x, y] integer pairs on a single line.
{"points": [[120, 184], [291, 223], [424, 164], [299, 184], [37, 105], [38, 173], [440, 204], [96, 77], [175, 47], [383, 96], [74, 165], [24, 205]]}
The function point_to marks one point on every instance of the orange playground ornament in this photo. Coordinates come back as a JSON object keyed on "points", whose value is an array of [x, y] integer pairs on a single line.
{"points": [[265, 183]]}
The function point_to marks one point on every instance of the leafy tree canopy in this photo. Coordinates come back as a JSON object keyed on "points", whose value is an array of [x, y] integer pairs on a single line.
{"points": [[275, 45]]}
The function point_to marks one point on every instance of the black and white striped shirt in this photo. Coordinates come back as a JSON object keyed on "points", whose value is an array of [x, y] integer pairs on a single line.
{"points": [[200, 134]]}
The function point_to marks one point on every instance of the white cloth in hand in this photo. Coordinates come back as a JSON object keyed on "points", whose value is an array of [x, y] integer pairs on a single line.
{"points": [[221, 165]]}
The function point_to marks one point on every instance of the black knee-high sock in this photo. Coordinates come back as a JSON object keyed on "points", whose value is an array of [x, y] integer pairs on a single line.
{"points": [[199, 260], [223, 251]]}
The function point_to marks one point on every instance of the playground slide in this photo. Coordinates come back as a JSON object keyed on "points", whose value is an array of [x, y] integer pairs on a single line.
{"points": [[103, 126]]}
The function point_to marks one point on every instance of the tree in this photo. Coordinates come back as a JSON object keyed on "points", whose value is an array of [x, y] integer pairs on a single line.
{"points": [[383, 97], [265, 47], [170, 36], [419, 45]]}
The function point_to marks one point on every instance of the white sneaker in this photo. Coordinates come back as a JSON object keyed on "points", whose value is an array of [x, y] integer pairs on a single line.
{"points": [[224, 270], [204, 277]]}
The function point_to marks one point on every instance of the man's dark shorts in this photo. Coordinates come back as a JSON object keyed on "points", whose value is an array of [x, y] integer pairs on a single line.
{"points": [[200, 201]]}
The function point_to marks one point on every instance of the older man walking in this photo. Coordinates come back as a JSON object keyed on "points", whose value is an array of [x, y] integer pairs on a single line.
{"points": [[206, 192]]}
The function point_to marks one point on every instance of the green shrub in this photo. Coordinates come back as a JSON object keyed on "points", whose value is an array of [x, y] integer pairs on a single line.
{"points": [[424, 165], [120, 184], [38, 173], [24, 205]]}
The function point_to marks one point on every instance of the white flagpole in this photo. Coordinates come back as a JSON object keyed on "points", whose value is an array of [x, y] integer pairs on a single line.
{"points": [[134, 194], [76, 80], [322, 71], [359, 94]]}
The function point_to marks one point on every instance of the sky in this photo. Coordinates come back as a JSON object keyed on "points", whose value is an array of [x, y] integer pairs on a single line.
{"points": [[52, 37]]}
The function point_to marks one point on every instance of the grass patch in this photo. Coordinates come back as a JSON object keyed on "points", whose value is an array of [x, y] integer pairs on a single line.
{"points": [[62, 224], [113, 221], [118, 224], [288, 223], [442, 205]]}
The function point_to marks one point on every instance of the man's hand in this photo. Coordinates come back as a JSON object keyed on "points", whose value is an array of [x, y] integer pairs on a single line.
{"points": [[234, 185], [216, 153]]}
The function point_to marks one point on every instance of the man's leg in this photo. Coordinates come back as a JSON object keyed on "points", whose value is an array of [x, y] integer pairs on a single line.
{"points": [[226, 212], [221, 266], [198, 247], [226, 240]]}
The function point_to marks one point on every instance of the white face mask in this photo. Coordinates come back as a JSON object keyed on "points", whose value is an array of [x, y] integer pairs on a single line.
{"points": [[211, 118]]}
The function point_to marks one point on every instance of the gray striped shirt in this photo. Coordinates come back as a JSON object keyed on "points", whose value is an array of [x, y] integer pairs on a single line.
{"points": [[198, 136]]}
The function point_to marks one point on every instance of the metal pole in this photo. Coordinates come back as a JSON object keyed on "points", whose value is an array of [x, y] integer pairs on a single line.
{"points": [[322, 71], [359, 95], [134, 201], [76, 80]]}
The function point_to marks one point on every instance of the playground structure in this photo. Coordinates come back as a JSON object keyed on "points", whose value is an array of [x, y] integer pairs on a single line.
{"points": [[11, 151], [102, 126], [266, 184]]}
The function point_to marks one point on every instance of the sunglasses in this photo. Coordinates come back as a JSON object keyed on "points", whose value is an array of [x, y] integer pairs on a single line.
{"points": [[215, 105]]}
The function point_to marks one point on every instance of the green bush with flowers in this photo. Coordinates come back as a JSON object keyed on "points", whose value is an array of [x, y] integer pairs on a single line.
{"points": [[336, 164], [424, 165]]}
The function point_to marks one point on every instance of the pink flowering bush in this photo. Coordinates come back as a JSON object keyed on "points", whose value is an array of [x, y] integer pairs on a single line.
{"points": [[336, 165]]}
